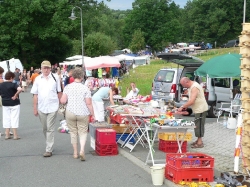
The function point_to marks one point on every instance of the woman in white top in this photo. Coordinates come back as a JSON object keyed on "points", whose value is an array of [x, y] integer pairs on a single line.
{"points": [[133, 92], [79, 107]]}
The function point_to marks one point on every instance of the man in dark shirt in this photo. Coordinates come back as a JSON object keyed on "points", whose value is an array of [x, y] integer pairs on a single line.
{"points": [[31, 71], [17, 76]]}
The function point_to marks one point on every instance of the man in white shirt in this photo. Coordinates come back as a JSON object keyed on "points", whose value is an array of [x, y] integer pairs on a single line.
{"points": [[47, 92], [133, 92]]}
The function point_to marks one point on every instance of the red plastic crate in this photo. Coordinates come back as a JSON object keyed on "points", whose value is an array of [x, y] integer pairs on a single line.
{"points": [[171, 146], [106, 149], [189, 160], [116, 118], [106, 136], [189, 174]]}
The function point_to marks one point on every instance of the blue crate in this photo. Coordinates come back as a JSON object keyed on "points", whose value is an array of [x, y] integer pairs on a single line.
{"points": [[132, 140]]}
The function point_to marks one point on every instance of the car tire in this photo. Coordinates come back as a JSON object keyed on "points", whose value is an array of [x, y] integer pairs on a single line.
{"points": [[212, 112]]}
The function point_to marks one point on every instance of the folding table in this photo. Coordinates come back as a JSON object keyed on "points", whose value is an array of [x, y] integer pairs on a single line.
{"points": [[157, 128], [137, 128]]}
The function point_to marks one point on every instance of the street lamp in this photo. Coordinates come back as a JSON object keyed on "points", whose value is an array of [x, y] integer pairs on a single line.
{"points": [[73, 17]]}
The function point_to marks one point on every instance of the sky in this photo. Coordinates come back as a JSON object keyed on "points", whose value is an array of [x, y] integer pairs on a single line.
{"points": [[127, 4]]}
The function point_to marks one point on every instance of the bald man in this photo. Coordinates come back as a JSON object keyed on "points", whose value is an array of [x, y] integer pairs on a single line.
{"points": [[199, 106]]}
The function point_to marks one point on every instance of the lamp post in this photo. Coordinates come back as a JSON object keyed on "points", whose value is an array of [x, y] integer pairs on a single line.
{"points": [[73, 17]]}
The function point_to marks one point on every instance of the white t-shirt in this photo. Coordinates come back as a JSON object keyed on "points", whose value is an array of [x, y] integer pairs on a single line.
{"points": [[132, 94]]}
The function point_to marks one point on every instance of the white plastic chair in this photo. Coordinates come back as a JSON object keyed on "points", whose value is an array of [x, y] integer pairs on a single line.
{"points": [[233, 107]]}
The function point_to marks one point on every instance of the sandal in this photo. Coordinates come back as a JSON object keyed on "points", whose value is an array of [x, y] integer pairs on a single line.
{"points": [[16, 138], [197, 146], [75, 156], [7, 137], [195, 142], [82, 157]]}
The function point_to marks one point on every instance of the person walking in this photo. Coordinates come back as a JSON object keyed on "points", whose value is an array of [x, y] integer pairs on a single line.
{"points": [[17, 77], [1, 80], [79, 107], [34, 75], [11, 105], [46, 92], [199, 106], [24, 78]]}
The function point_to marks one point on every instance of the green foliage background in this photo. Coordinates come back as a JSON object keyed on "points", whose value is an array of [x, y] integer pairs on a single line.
{"points": [[40, 29]]}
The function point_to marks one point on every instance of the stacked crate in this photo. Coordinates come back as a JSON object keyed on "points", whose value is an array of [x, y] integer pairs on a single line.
{"points": [[245, 89], [168, 142], [105, 144], [189, 167], [92, 131]]}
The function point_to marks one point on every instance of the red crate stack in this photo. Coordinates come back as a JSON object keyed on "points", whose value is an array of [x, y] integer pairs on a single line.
{"points": [[171, 146], [105, 144], [106, 136], [106, 149], [189, 167], [191, 174]]}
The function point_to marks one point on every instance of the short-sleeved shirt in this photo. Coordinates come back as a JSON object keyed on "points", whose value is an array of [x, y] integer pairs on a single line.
{"points": [[132, 94], [76, 93], [17, 76], [103, 92], [47, 89], [33, 77], [7, 91]]}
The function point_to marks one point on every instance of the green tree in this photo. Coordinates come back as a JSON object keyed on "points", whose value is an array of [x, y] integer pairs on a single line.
{"points": [[138, 41], [40, 29], [212, 20], [158, 19], [97, 44]]}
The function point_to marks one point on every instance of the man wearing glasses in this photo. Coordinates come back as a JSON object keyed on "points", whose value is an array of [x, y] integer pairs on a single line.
{"points": [[47, 92]]}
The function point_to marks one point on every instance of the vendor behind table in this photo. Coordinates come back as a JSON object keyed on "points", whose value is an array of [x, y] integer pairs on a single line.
{"points": [[97, 100], [133, 92]]}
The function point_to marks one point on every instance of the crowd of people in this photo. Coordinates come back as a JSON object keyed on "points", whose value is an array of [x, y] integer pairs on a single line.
{"points": [[50, 89]]}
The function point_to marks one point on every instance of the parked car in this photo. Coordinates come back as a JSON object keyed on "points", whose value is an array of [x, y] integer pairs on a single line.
{"points": [[231, 43], [215, 90]]}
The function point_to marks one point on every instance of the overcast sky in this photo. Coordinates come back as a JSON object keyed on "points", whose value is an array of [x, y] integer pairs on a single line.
{"points": [[127, 4]]}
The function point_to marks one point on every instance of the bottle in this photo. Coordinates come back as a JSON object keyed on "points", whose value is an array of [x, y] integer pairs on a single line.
{"points": [[224, 121]]}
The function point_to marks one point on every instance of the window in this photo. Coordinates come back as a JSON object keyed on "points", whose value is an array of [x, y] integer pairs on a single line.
{"points": [[165, 76]]}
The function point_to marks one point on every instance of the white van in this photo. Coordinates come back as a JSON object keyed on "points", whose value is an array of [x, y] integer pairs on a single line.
{"points": [[216, 90], [11, 65]]}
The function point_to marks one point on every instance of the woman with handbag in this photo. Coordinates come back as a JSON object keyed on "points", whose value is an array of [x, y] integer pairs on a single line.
{"points": [[79, 107]]}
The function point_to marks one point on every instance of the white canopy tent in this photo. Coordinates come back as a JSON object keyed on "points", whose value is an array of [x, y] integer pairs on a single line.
{"points": [[76, 57]]}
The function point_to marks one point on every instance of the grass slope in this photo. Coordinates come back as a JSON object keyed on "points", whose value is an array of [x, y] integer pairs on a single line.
{"points": [[143, 75]]}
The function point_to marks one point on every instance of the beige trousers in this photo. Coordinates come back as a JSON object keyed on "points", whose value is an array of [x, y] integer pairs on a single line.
{"points": [[48, 123], [78, 127]]}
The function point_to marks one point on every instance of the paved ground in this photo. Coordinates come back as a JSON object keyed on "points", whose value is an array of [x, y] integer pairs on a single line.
{"points": [[22, 164]]}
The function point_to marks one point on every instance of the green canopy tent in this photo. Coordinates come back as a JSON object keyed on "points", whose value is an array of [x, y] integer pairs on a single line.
{"points": [[223, 66]]}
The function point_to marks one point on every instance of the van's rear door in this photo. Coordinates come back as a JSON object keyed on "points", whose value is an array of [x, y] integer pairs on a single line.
{"points": [[181, 59]]}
